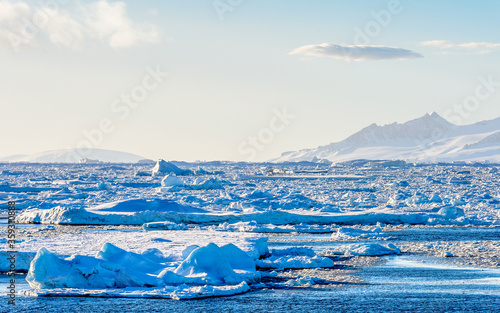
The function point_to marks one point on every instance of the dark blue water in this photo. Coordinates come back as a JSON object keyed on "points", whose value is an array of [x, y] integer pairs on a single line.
{"points": [[402, 284], [398, 286], [419, 234], [281, 301], [319, 242], [447, 234]]}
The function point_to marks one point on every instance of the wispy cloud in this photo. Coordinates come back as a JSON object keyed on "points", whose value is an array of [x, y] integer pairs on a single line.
{"points": [[355, 52], [104, 22], [471, 47]]}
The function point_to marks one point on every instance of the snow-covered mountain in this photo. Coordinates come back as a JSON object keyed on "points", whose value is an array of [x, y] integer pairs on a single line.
{"points": [[429, 138], [73, 156]]}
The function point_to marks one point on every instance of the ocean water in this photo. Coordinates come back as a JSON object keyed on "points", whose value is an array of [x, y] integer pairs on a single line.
{"points": [[395, 287], [403, 283]]}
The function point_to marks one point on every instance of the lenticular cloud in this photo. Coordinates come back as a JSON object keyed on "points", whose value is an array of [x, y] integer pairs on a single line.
{"points": [[356, 53]]}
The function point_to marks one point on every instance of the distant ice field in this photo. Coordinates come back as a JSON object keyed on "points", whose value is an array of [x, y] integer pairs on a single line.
{"points": [[112, 194], [304, 233]]}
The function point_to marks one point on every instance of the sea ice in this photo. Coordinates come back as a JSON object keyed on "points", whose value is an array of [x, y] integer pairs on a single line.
{"points": [[347, 233], [172, 180], [253, 226], [180, 292], [290, 258], [365, 249], [162, 167], [113, 268]]}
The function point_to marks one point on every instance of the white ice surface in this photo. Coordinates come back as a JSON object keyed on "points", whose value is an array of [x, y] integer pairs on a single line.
{"points": [[113, 267], [207, 271], [170, 243], [365, 249], [348, 233], [170, 292]]}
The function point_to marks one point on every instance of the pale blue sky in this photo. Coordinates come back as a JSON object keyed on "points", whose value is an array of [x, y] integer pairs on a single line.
{"points": [[228, 77]]}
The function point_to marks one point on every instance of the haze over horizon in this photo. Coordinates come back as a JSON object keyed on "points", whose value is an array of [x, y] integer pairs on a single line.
{"points": [[429, 138], [210, 80]]}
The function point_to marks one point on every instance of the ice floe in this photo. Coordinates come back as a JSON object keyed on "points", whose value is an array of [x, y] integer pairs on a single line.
{"points": [[171, 244], [255, 227], [365, 249], [200, 271], [348, 233], [180, 292], [209, 271], [293, 258]]}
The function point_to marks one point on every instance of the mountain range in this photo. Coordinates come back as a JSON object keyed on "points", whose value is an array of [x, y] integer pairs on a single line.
{"points": [[429, 138], [73, 156]]}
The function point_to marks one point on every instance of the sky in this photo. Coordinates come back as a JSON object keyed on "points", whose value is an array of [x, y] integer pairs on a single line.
{"points": [[237, 79]]}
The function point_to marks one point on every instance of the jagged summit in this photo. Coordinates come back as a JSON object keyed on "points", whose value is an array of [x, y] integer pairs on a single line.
{"points": [[418, 129], [427, 138]]}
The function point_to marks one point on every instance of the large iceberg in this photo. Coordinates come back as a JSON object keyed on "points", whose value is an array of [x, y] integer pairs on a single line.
{"points": [[211, 268], [162, 167], [160, 246]]}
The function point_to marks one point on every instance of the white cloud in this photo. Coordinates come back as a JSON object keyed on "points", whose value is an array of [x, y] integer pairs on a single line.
{"points": [[109, 22], [10, 12], [355, 52], [12, 20], [474, 47], [101, 21], [62, 29]]}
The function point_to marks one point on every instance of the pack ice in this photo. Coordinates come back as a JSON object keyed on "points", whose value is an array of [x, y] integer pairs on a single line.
{"points": [[177, 230]]}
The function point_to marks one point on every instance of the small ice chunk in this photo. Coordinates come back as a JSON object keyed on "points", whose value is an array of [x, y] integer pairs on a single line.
{"points": [[172, 180], [365, 249], [289, 262], [451, 212], [211, 183], [304, 281]]}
